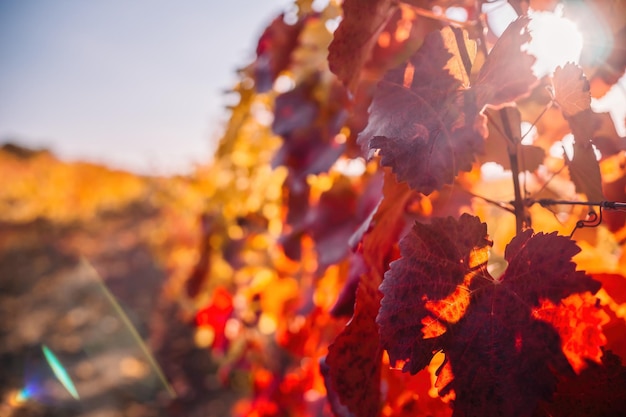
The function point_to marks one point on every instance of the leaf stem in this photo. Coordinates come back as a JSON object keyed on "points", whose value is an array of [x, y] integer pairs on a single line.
{"points": [[518, 203]]}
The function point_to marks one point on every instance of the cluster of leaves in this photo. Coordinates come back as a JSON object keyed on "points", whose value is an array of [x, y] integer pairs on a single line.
{"points": [[345, 261]]}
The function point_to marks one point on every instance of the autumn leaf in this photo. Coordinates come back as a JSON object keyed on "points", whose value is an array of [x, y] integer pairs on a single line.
{"points": [[605, 138], [585, 170], [337, 216], [354, 357], [421, 122], [435, 261], [500, 360], [507, 72], [274, 51], [614, 285], [579, 322], [212, 318], [356, 35], [596, 391], [571, 93], [571, 89], [463, 51], [308, 118], [353, 364]]}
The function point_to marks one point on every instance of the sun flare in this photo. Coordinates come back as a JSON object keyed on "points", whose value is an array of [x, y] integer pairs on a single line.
{"points": [[555, 41]]}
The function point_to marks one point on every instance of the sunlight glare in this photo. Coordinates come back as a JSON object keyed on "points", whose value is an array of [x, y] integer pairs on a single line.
{"points": [[614, 102], [492, 171], [458, 14], [555, 41], [60, 372], [499, 15]]}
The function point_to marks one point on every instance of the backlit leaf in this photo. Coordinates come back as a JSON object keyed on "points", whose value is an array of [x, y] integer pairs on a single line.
{"points": [[356, 35], [596, 391], [507, 73], [571, 89], [500, 360], [274, 51], [353, 364], [421, 122]]}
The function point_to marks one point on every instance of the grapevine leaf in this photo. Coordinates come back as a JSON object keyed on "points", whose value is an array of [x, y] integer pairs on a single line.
{"points": [[353, 364], [614, 285], [344, 307], [356, 35], [354, 357], [507, 73], [422, 122], [435, 260], [571, 89], [307, 131], [606, 138], [463, 51], [500, 360], [337, 216], [585, 171], [597, 391], [571, 92], [308, 119], [274, 51], [582, 342]]}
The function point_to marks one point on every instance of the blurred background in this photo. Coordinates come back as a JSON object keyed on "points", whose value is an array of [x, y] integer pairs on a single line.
{"points": [[136, 86], [102, 105]]}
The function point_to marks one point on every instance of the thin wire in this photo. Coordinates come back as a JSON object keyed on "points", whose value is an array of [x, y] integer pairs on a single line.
{"points": [[498, 204]]}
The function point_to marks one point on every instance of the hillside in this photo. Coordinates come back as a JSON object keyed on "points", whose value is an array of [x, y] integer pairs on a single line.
{"points": [[69, 233]]}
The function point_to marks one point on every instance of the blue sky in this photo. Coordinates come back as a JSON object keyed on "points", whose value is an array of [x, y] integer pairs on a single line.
{"points": [[135, 84]]}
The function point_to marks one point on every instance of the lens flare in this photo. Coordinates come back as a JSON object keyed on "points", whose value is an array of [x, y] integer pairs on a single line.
{"points": [[555, 41], [60, 372], [130, 328]]}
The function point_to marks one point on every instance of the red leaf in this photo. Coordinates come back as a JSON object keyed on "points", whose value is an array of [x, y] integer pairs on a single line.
{"points": [[435, 260], [614, 285], [571, 92], [308, 120], [584, 170], [500, 360], [507, 73], [337, 216], [421, 122], [215, 315], [354, 358], [579, 322], [597, 391], [605, 137], [353, 366], [274, 51], [363, 20]]}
